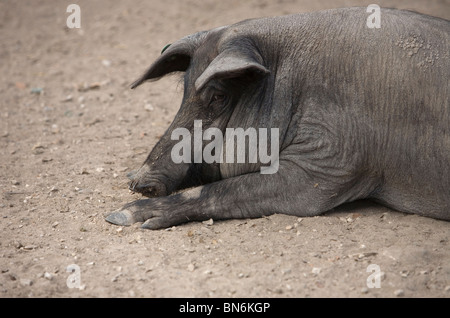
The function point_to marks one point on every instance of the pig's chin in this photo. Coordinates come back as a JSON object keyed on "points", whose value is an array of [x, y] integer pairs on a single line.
{"points": [[149, 189]]}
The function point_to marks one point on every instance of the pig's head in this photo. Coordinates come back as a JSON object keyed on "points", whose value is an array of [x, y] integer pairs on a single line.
{"points": [[222, 70]]}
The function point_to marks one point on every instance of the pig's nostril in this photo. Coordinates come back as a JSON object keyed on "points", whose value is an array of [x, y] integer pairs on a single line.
{"points": [[147, 189]]}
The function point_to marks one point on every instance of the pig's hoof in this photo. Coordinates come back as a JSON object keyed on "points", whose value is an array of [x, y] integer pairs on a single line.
{"points": [[120, 217], [154, 224]]}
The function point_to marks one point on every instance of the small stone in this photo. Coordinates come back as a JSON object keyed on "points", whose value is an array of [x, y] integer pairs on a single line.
{"points": [[48, 276], [55, 224], [18, 244], [53, 189], [37, 90], [191, 267], [289, 227], [208, 222], [26, 282], [116, 277], [399, 292], [286, 271], [364, 290], [278, 291], [148, 107], [315, 270], [68, 98], [37, 149]]}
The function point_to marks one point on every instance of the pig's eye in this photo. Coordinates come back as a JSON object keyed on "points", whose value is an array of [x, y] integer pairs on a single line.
{"points": [[218, 98]]}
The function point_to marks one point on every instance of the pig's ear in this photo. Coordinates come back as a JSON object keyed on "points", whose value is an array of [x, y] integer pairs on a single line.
{"points": [[175, 60], [230, 64]]}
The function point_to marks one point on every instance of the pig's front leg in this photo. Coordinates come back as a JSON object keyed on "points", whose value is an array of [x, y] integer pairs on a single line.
{"points": [[289, 191]]}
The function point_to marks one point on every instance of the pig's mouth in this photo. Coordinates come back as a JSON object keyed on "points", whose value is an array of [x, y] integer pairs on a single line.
{"points": [[150, 189]]}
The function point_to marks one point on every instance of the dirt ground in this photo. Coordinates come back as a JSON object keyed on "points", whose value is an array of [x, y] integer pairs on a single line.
{"points": [[71, 129]]}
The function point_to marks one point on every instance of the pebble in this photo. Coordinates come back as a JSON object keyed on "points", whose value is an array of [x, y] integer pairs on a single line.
{"points": [[404, 273], [315, 270], [116, 277], [37, 149], [208, 222], [48, 276], [191, 267], [36, 90], [278, 291], [26, 282], [399, 292], [149, 107], [68, 98]]}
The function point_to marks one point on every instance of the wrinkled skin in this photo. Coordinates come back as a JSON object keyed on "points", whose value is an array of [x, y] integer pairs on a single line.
{"points": [[362, 114]]}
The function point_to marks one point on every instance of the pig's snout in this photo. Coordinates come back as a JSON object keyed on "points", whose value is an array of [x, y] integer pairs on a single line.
{"points": [[148, 189], [146, 185]]}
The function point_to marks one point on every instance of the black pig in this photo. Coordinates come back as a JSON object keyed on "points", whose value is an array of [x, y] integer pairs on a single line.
{"points": [[357, 112]]}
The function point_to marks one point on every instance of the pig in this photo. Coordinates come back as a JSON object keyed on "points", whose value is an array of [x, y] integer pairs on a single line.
{"points": [[361, 113]]}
